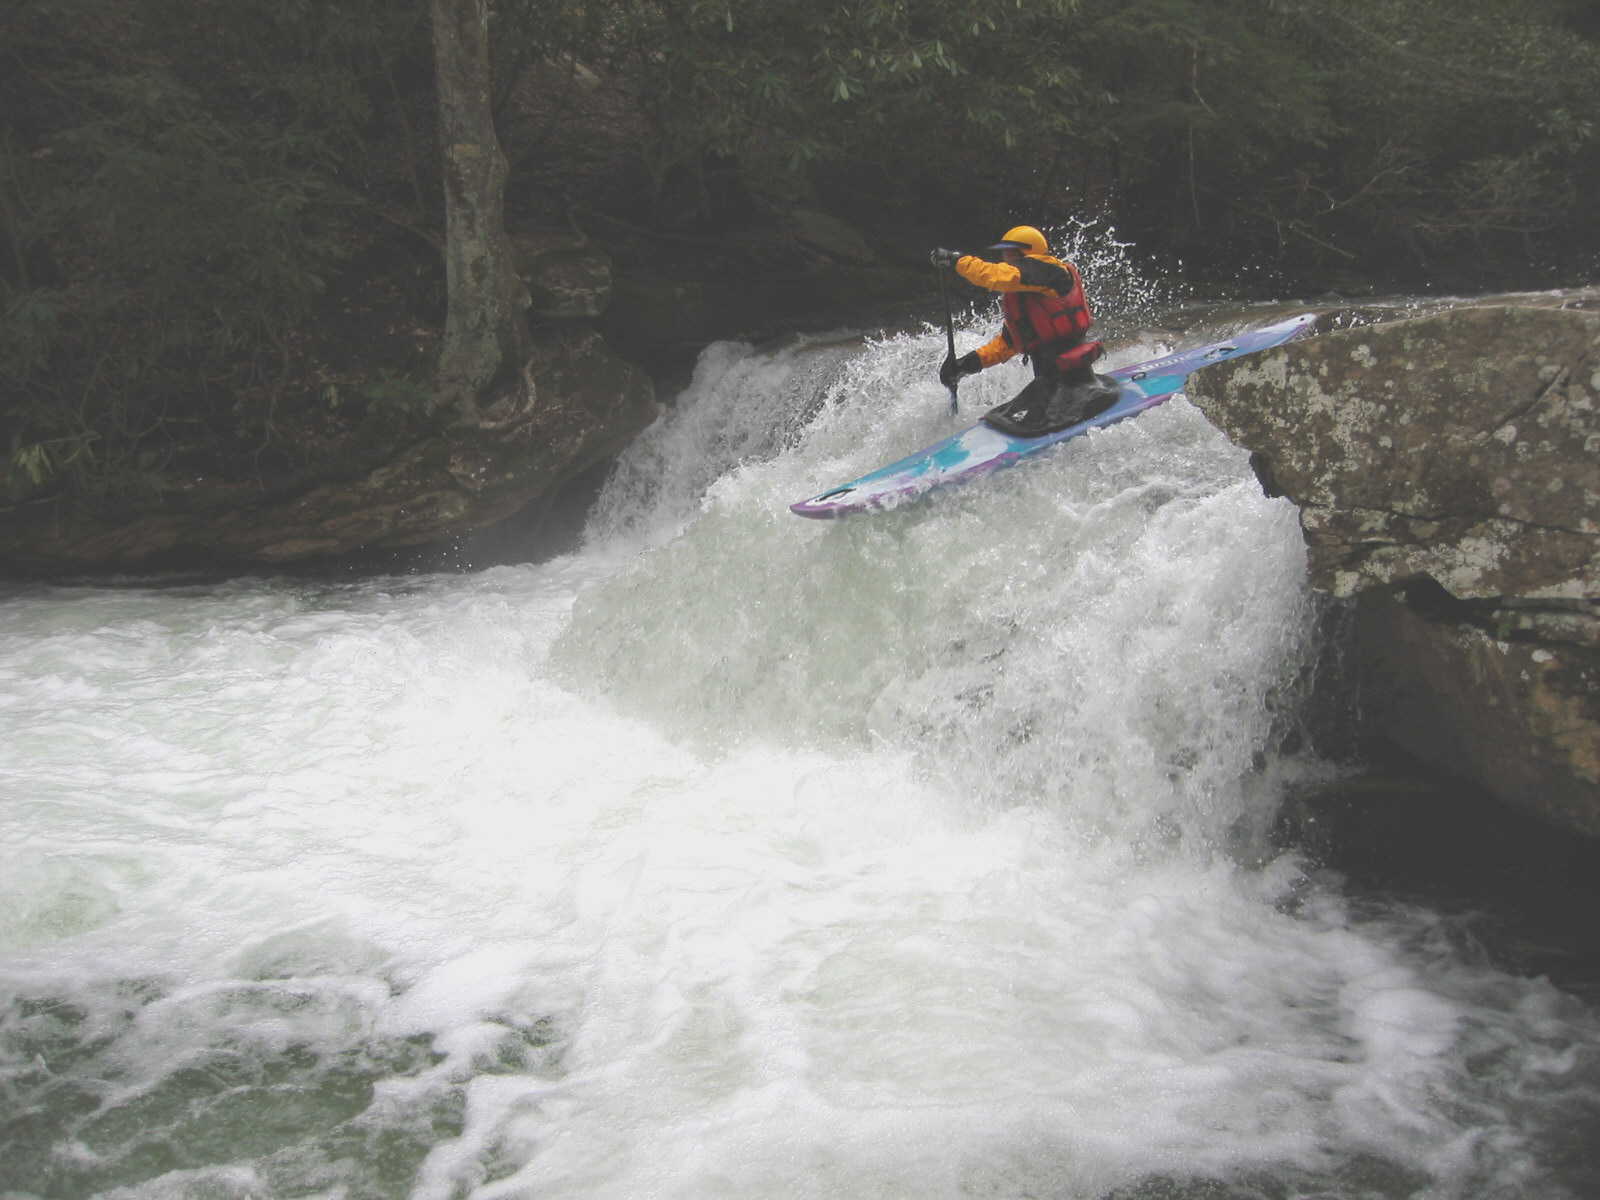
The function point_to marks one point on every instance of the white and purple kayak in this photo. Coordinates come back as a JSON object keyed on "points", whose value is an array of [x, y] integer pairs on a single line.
{"points": [[980, 449]]}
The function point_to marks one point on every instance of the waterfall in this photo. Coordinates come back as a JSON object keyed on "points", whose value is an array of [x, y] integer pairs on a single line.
{"points": [[925, 854]]}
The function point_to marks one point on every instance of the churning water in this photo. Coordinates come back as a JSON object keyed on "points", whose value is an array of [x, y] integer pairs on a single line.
{"points": [[916, 856]]}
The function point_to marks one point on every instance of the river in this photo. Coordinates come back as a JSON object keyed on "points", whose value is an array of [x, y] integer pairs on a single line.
{"points": [[916, 856]]}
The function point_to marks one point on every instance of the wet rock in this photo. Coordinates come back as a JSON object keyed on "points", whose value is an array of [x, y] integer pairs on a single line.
{"points": [[1447, 471], [1518, 716]]}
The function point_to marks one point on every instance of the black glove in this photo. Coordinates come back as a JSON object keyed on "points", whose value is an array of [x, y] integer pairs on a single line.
{"points": [[954, 369], [944, 258]]}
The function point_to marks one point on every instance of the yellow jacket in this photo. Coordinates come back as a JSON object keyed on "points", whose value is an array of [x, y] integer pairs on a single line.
{"points": [[1035, 273]]}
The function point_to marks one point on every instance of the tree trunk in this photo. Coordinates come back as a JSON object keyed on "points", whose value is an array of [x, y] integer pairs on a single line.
{"points": [[485, 335]]}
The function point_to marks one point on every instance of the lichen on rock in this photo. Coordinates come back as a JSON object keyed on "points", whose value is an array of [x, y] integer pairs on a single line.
{"points": [[1451, 458]]}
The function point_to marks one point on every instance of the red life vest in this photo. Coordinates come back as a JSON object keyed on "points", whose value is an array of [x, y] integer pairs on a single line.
{"points": [[1054, 324]]}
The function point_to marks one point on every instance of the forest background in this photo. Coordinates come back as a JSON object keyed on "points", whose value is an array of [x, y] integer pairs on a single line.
{"points": [[222, 222]]}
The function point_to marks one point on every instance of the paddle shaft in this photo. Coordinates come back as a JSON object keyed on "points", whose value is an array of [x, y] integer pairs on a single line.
{"points": [[949, 332]]}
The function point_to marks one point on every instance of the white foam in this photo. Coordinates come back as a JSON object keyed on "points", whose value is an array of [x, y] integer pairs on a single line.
{"points": [[737, 855]]}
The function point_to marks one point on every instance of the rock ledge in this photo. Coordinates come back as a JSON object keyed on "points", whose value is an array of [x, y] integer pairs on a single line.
{"points": [[1447, 471]]}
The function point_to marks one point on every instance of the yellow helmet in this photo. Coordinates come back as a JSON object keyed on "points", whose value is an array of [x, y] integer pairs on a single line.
{"points": [[1023, 237]]}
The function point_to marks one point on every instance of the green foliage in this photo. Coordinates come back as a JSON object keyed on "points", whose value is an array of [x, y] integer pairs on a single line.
{"points": [[1365, 133], [1317, 134], [178, 183], [389, 392], [779, 88]]}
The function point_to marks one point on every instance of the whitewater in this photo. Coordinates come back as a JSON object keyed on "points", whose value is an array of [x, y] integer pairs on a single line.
{"points": [[923, 855]]}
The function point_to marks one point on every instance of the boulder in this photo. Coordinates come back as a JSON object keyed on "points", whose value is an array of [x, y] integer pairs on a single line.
{"points": [[568, 277], [1517, 716], [1447, 470], [832, 237], [1464, 446]]}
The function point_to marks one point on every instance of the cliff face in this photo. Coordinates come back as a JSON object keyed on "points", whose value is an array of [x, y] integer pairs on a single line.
{"points": [[1447, 471]]}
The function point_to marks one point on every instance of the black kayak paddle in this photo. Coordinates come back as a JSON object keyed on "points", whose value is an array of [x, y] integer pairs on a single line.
{"points": [[949, 335]]}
